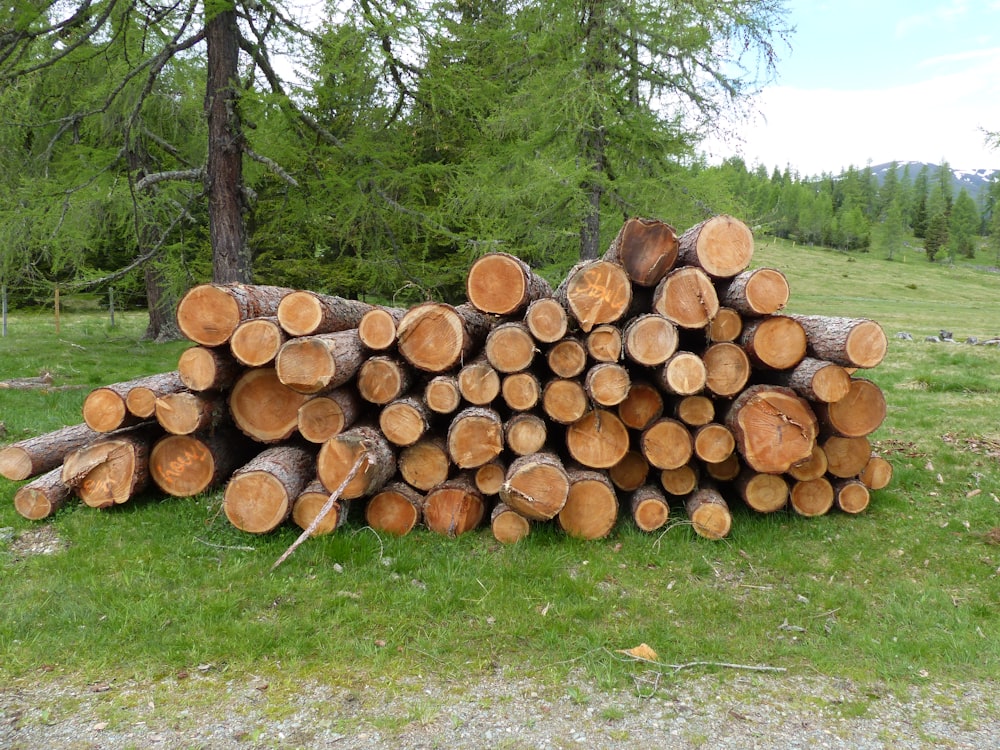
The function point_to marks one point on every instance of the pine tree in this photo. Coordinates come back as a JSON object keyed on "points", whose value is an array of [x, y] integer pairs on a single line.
{"points": [[964, 225]]}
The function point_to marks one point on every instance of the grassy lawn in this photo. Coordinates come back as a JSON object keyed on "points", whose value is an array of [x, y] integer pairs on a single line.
{"points": [[907, 592]]}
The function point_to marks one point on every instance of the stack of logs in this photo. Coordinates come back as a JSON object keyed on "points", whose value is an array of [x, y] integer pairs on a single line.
{"points": [[660, 374]]}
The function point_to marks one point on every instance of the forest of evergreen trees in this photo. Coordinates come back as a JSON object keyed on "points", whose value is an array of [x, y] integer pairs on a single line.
{"points": [[144, 146]]}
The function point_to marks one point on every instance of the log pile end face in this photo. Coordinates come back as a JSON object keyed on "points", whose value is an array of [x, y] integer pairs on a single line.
{"points": [[208, 315]]}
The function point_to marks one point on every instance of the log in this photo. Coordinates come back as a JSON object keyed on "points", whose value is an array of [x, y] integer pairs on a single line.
{"points": [[204, 369], [488, 478], [605, 343], [547, 320], [649, 508], [775, 342], [564, 401], [405, 421], [849, 342], [425, 464], [850, 495], [815, 380], [521, 391], [595, 292], [442, 394], [650, 339], [726, 470], [591, 508], [525, 433], [185, 413], [454, 507], [857, 414], [727, 369], [686, 297], [646, 249], [381, 379], [536, 486], [630, 473], [774, 428], [478, 381], [502, 284], [810, 468], [305, 313], [263, 407], [684, 374], [141, 398], [567, 358], [436, 337], [209, 313], [764, 493], [642, 406], [105, 409], [757, 292], [510, 347], [396, 509], [40, 454], [259, 495], [846, 457], [680, 481], [607, 384], [256, 342], [338, 455], [310, 503], [598, 440], [722, 246], [310, 364], [187, 465], [475, 437], [322, 417], [811, 498], [377, 328], [695, 411], [666, 444], [709, 513], [725, 326], [112, 470], [42, 496], [877, 473], [713, 442], [507, 526]]}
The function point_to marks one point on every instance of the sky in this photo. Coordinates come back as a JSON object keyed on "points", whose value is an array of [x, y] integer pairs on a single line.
{"points": [[878, 81]]}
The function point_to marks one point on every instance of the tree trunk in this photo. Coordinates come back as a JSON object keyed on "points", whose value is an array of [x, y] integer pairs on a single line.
{"points": [[209, 313], [536, 486], [774, 428], [381, 379], [395, 509], [187, 465], [43, 496], [259, 495], [722, 246], [849, 342], [595, 292], [263, 407], [160, 304], [307, 506], [38, 455], [646, 248], [666, 444], [105, 409], [510, 347], [475, 437], [591, 507], [325, 416], [203, 368], [110, 471], [525, 433], [762, 291], [857, 414], [310, 364], [141, 398], [185, 413], [256, 342], [709, 513], [377, 327], [686, 297], [598, 440], [339, 454], [547, 320], [502, 284], [404, 421], [507, 525], [815, 380], [425, 464], [642, 406], [650, 339], [776, 342], [305, 313], [230, 256], [454, 507], [649, 508], [436, 337]]}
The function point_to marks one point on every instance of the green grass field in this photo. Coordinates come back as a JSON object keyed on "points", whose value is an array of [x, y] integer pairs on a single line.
{"points": [[907, 592]]}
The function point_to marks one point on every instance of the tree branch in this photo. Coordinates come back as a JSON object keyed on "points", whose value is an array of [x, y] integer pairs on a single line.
{"points": [[186, 175], [271, 165]]}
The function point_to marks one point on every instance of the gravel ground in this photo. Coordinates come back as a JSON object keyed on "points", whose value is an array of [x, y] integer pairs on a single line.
{"points": [[716, 711]]}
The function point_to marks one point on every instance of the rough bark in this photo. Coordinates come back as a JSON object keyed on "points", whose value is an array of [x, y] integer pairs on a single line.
{"points": [[38, 455], [709, 513], [105, 409], [761, 291], [209, 313], [305, 313], [849, 342], [259, 495], [815, 380], [141, 398], [42, 496], [502, 284]]}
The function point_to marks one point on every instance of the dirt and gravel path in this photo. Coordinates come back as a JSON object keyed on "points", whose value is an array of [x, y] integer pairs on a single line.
{"points": [[206, 710]]}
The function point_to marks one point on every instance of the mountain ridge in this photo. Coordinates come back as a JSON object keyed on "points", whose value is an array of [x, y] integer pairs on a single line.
{"points": [[975, 181]]}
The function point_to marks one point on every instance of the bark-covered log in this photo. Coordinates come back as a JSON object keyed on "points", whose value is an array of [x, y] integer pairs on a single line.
{"points": [[815, 380], [377, 327], [507, 525], [521, 391], [489, 478], [256, 342], [187, 465], [849, 342], [598, 440], [259, 495], [536, 486], [479, 381], [525, 433], [547, 320], [38, 455], [105, 408], [591, 507], [43, 496], [726, 325], [263, 407], [850, 495], [567, 358], [329, 414], [646, 249], [775, 342], [666, 444], [436, 337], [442, 394], [209, 313], [112, 470], [310, 503], [475, 437], [709, 512], [722, 246], [503, 284], [595, 292], [404, 421], [339, 454], [649, 508], [305, 313], [141, 398], [396, 509], [186, 412], [642, 406], [857, 414], [761, 291], [205, 369], [425, 464], [310, 364], [454, 507], [687, 297], [650, 339], [774, 428], [510, 347], [382, 378]]}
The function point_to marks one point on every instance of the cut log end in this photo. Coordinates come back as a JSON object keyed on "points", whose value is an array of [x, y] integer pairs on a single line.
{"points": [[207, 314]]}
